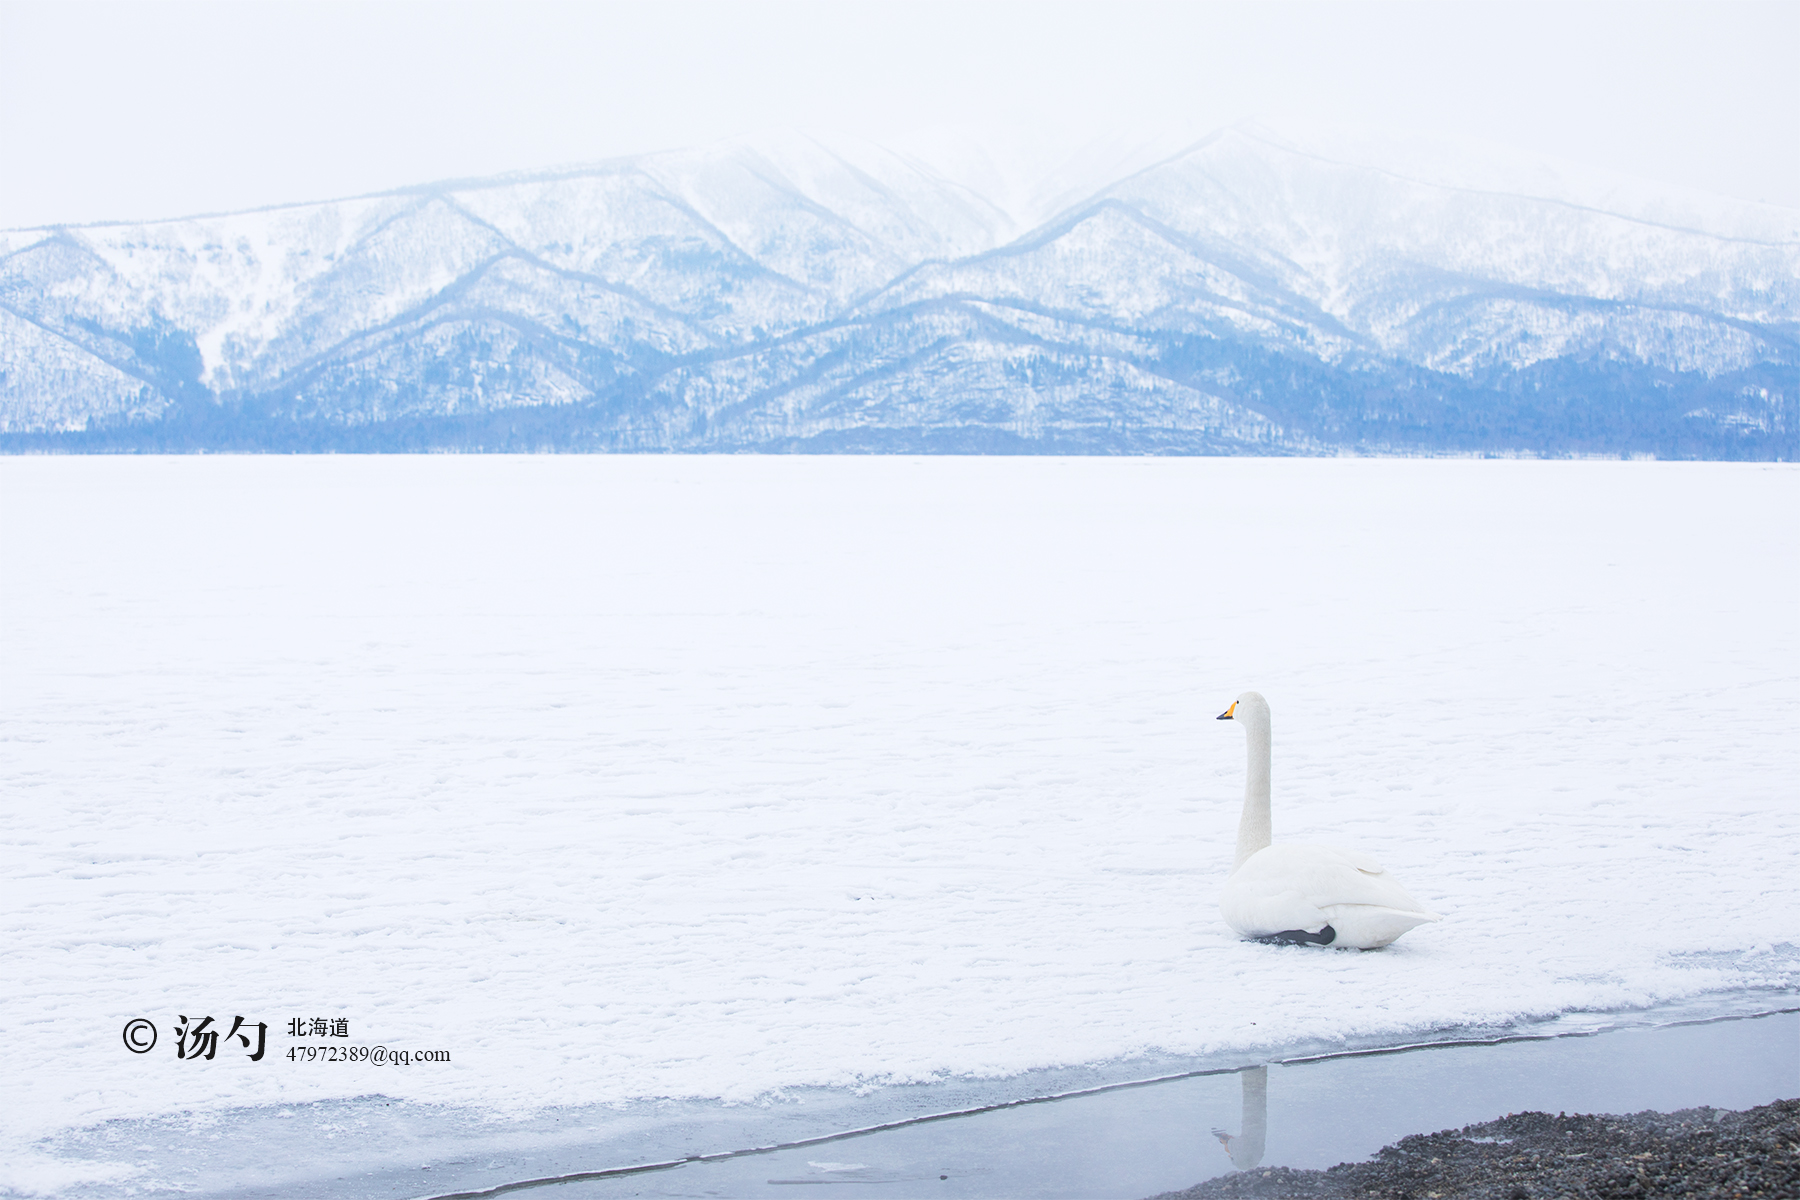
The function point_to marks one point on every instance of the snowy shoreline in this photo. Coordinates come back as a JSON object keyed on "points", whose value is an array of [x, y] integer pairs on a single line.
{"points": [[718, 777], [1729, 1051]]}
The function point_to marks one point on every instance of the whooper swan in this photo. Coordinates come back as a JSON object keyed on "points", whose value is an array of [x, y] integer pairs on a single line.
{"points": [[1297, 895]]}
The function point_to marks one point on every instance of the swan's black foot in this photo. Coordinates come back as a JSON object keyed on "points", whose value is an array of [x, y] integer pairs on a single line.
{"points": [[1299, 937]]}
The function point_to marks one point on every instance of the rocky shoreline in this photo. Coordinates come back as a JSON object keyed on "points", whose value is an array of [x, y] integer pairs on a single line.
{"points": [[1527, 1156]]}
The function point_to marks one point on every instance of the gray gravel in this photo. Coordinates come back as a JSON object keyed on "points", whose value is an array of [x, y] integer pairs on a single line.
{"points": [[1697, 1152]]}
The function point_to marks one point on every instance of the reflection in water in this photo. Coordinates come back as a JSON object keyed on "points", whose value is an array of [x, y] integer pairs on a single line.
{"points": [[1246, 1149]]}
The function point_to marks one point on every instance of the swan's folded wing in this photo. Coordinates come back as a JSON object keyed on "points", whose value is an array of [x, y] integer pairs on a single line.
{"points": [[1327, 875], [1255, 911], [1357, 859]]}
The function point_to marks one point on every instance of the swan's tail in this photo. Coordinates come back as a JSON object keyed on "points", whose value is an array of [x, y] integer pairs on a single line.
{"points": [[1367, 926]]}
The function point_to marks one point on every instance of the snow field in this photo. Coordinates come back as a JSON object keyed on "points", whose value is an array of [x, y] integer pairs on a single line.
{"points": [[708, 777]]}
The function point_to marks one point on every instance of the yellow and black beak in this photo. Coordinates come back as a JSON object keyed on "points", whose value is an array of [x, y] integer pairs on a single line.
{"points": [[1226, 715]]}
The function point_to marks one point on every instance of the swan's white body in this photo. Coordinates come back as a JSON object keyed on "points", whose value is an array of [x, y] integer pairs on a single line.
{"points": [[1287, 890], [1306, 888]]}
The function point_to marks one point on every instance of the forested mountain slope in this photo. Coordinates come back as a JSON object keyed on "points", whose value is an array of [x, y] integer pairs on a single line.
{"points": [[780, 293]]}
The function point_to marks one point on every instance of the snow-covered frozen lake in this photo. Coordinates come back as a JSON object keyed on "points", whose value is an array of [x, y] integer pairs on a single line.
{"points": [[620, 778]]}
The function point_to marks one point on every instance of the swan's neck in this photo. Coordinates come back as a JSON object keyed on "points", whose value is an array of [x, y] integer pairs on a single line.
{"points": [[1253, 827]]}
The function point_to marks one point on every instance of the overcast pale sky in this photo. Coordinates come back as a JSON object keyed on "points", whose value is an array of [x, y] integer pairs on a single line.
{"points": [[146, 109]]}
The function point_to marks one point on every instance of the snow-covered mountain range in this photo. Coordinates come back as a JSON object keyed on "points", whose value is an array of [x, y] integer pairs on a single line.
{"points": [[1251, 293]]}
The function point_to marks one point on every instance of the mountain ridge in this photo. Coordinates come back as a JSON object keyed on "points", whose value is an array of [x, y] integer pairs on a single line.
{"points": [[1236, 296]]}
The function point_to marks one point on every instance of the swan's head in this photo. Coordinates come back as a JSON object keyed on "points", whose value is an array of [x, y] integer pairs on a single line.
{"points": [[1250, 708]]}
